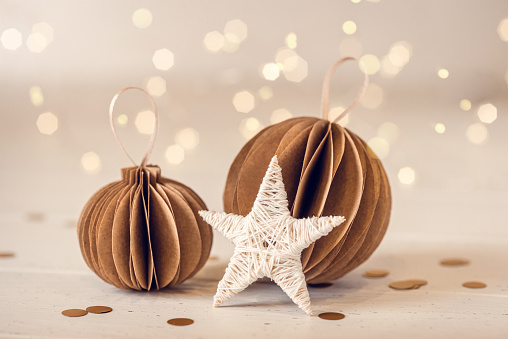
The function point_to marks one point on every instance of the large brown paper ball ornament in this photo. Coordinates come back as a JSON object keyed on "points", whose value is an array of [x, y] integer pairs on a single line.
{"points": [[144, 232], [327, 170]]}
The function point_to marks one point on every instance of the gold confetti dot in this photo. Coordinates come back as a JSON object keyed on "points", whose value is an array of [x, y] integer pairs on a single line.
{"points": [[474, 284], [375, 273], [408, 284], [6, 254], [454, 262], [180, 321], [331, 316], [74, 313], [99, 309], [321, 285], [213, 258]]}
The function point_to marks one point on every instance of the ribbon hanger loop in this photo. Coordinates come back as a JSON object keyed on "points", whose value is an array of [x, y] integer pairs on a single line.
{"points": [[325, 95], [151, 141]]}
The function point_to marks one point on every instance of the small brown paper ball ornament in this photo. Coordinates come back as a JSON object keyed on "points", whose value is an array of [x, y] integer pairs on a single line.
{"points": [[327, 170], [143, 232]]}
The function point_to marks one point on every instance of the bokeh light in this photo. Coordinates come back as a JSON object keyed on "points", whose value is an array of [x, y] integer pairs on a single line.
{"points": [[349, 27], [379, 146], [279, 115], [443, 73], [400, 53], [235, 31], [36, 42], [244, 101], [163, 59], [156, 86], [487, 113], [356, 1], [122, 119], [465, 105], [291, 40], [47, 123], [369, 64], [175, 154], [477, 134], [295, 68], [36, 96], [250, 127], [373, 96], [350, 47], [11, 39], [271, 71], [439, 128], [142, 18], [214, 41], [265, 93], [388, 131], [188, 138], [145, 122], [91, 162], [45, 29], [334, 114], [406, 175], [502, 29]]}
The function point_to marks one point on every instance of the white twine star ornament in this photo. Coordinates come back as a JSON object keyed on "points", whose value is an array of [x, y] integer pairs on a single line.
{"points": [[268, 242]]}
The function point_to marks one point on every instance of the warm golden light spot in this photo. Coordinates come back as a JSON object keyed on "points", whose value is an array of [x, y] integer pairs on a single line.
{"points": [[477, 134], [142, 18], [334, 114], [388, 131], [235, 31], [36, 42], [487, 113], [389, 70], [249, 127], [11, 39], [406, 175], [373, 96], [350, 47], [295, 68], [175, 154], [283, 54], [502, 29], [45, 29], [349, 27], [122, 119], [465, 105], [156, 86], [244, 101], [291, 40], [279, 115], [400, 53], [443, 73], [36, 96], [356, 1], [91, 162], [145, 122], [213, 41], [271, 71], [380, 146], [369, 64], [163, 59], [188, 138], [265, 93], [230, 46], [47, 123], [440, 128]]}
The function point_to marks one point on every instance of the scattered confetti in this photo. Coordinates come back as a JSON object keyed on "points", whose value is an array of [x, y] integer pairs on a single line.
{"points": [[74, 313], [331, 316], [213, 258], [6, 254], [35, 216], [321, 285], [454, 262], [99, 309], [408, 284], [474, 284], [180, 321], [375, 273]]}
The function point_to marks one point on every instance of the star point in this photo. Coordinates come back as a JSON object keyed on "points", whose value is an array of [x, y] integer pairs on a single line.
{"points": [[268, 242]]}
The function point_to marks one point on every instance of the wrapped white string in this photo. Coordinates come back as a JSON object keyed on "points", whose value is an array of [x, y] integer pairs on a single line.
{"points": [[268, 242]]}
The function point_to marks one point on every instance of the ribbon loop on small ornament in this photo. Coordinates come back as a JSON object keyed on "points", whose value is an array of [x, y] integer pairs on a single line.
{"points": [[151, 141], [325, 96]]}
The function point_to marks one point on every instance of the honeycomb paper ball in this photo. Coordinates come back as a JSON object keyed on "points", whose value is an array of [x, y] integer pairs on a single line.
{"points": [[143, 232], [327, 170]]}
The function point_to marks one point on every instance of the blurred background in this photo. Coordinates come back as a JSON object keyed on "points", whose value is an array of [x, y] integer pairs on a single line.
{"points": [[435, 110]]}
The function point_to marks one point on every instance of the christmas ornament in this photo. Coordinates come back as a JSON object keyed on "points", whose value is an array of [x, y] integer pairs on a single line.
{"points": [[328, 170], [268, 242], [143, 232]]}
